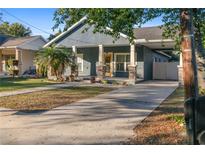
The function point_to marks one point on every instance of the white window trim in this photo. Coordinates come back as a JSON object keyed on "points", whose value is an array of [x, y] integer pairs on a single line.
{"points": [[115, 61], [80, 60]]}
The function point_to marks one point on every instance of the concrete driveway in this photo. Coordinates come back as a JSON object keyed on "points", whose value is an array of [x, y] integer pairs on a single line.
{"points": [[105, 119]]}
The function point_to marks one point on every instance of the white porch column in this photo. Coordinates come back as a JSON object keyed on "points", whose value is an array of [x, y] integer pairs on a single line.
{"points": [[74, 49], [100, 68], [101, 53], [74, 69], [180, 70], [180, 59], [132, 55], [17, 54], [18, 57], [132, 66]]}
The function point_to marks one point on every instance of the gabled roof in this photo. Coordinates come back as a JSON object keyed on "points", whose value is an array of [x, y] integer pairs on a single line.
{"points": [[149, 36], [20, 42], [17, 41], [67, 31], [148, 33], [81, 21]]}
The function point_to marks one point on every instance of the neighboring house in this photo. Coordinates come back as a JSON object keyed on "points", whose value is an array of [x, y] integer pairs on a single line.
{"points": [[99, 56], [21, 49]]}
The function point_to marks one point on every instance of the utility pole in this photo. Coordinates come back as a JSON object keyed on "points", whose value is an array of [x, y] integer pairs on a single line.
{"points": [[189, 63]]}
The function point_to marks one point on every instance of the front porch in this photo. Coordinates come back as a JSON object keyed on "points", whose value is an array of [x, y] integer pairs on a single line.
{"points": [[108, 62], [10, 55]]}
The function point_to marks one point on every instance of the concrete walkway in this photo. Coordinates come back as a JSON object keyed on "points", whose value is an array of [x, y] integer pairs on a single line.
{"points": [[105, 119]]}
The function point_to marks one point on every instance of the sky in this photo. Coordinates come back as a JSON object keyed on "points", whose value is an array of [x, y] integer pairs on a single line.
{"points": [[43, 19]]}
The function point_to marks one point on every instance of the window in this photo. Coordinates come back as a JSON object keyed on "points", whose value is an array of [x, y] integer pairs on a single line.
{"points": [[122, 62], [80, 62]]}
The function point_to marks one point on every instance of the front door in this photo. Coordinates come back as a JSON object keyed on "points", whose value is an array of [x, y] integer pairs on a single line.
{"points": [[108, 64]]}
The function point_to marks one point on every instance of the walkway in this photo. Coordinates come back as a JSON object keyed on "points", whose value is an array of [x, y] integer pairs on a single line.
{"points": [[105, 119]]}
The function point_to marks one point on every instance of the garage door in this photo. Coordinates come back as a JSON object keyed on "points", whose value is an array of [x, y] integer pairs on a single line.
{"points": [[165, 70]]}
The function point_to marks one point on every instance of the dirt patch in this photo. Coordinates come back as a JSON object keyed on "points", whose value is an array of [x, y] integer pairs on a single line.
{"points": [[159, 128]]}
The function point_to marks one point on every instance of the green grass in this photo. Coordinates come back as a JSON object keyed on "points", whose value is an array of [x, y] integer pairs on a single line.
{"points": [[9, 84], [178, 118], [45, 100]]}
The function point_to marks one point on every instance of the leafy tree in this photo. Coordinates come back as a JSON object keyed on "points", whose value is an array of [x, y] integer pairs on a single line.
{"points": [[124, 20], [55, 58], [53, 36], [4, 28], [14, 29]]}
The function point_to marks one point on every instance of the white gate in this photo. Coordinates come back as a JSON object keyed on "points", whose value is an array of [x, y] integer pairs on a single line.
{"points": [[165, 70]]}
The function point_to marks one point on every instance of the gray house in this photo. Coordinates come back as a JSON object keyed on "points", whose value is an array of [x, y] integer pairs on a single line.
{"points": [[98, 55]]}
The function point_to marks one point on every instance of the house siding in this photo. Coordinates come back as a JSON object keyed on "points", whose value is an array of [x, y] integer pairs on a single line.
{"points": [[27, 60], [148, 61], [160, 57], [90, 58]]}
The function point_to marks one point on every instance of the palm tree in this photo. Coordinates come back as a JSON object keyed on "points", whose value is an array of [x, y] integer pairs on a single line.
{"points": [[55, 58]]}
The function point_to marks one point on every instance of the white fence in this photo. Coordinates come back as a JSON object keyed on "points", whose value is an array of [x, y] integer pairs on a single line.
{"points": [[165, 70]]}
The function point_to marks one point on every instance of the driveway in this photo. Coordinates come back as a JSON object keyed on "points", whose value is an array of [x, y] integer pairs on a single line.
{"points": [[105, 119]]}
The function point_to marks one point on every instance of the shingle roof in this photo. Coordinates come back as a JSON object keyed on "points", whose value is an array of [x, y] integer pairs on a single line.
{"points": [[17, 41], [149, 33]]}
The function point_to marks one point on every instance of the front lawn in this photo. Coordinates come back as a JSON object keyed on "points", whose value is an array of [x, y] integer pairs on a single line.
{"points": [[8, 84], [165, 125], [45, 100]]}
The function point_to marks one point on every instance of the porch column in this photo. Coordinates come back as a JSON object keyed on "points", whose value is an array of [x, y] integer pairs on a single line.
{"points": [[100, 67], [132, 67], [18, 57], [180, 70], [74, 69]]}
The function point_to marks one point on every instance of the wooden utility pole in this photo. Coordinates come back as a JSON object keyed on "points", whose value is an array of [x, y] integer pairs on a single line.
{"points": [[189, 62], [188, 53]]}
